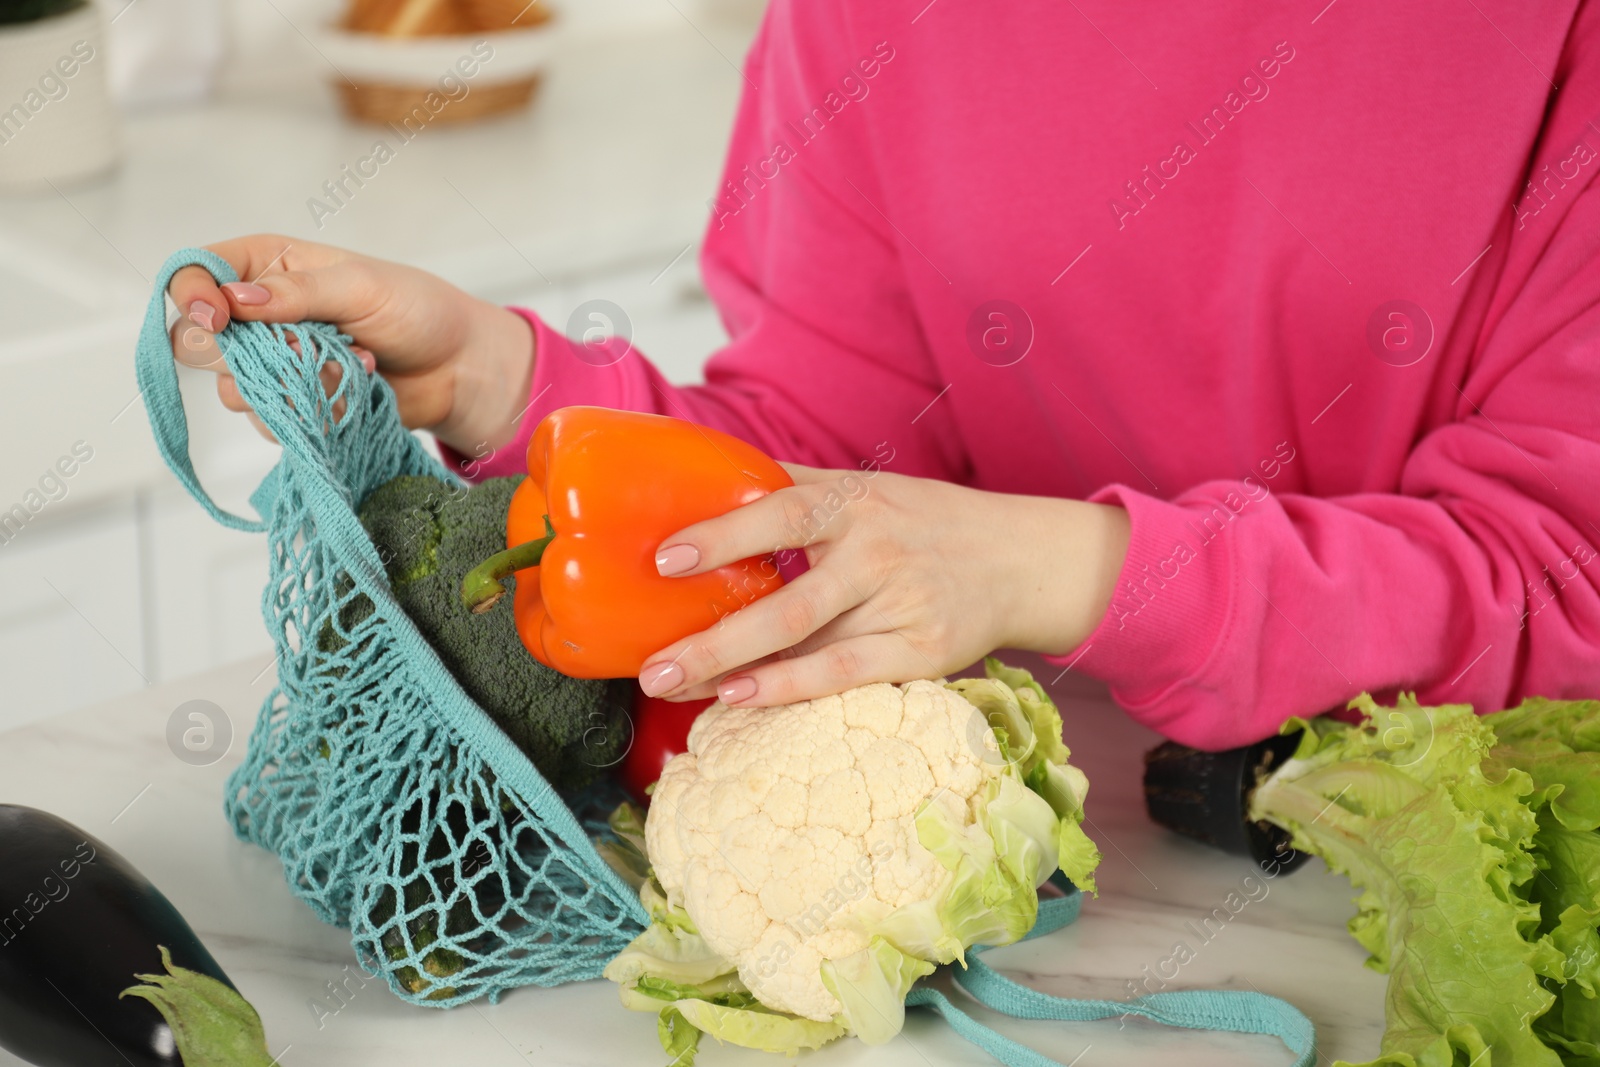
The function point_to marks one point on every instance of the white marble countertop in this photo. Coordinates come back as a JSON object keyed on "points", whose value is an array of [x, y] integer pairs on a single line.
{"points": [[108, 769]]}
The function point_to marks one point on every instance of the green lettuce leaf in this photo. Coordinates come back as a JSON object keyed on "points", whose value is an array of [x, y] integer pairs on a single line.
{"points": [[1556, 744], [1473, 842], [1462, 978], [1574, 724], [1430, 744]]}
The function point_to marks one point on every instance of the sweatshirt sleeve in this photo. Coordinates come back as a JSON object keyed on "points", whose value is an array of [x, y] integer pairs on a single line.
{"points": [[1476, 581], [825, 350]]}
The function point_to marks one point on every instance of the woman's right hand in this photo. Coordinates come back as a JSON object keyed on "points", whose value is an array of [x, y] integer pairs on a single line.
{"points": [[460, 367]]}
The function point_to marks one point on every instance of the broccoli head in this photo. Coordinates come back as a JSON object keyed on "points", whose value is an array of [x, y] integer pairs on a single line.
{"points": [[429, 534]]}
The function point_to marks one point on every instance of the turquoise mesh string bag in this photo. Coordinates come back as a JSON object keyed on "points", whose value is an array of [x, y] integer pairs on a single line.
{"points": [[397, 806]]}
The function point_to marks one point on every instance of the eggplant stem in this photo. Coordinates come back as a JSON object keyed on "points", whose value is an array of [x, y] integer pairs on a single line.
{"points": [[484, 584]]}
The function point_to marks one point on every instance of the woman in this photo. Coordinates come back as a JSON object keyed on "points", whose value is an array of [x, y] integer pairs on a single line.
{"points": [[1244, 357]]}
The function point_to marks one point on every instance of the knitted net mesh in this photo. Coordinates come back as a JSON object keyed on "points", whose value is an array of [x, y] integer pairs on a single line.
{"points": [[396, 805]]}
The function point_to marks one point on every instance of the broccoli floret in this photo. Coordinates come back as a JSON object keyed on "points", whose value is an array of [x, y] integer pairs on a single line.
{"points": [[429, 534]]}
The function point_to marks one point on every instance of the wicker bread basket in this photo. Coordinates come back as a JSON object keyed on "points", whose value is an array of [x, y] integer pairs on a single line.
{"points": [[390, 103]]}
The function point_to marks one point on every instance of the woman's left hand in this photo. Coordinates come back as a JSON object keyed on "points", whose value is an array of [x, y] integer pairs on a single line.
{"points": [[909, 578]]}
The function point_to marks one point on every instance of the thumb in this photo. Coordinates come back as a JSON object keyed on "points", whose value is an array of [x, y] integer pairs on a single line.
{"points": [[339, 293]]}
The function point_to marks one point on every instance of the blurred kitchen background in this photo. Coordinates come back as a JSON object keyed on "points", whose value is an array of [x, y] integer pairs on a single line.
{"points": [[198, 120]]}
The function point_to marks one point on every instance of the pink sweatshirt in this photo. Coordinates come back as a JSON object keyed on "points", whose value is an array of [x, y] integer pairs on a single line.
{"points": [[1310, 289]]}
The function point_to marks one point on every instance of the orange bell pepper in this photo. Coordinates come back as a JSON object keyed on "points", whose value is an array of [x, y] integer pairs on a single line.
{"points": [[604, 489]]}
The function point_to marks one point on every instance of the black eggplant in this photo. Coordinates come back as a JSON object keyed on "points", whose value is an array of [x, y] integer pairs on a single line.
{"points": [[77, 923], [1206, 796]]}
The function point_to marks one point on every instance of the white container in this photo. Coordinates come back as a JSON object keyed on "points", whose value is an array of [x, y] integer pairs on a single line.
{"points": [[56, 119]]}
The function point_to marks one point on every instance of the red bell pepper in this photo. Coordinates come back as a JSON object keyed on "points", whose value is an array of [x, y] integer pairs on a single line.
{"points": [[660, 731]]}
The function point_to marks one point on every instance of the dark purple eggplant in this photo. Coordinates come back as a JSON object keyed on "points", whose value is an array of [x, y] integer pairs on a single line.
{"points": [[1206, 796], [77, 924]]}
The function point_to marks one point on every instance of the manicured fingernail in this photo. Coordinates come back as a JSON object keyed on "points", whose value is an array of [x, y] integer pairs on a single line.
{"points": [[249, 292], [203, 315], [675, 559], [368, 361], [662, 678], [734, 690]]}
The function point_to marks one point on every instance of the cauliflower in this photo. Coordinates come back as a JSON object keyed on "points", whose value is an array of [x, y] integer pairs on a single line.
{"points": [[809, 863]]}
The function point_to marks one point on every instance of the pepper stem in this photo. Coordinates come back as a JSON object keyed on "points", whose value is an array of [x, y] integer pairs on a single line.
{"points": [[484, 584]]}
